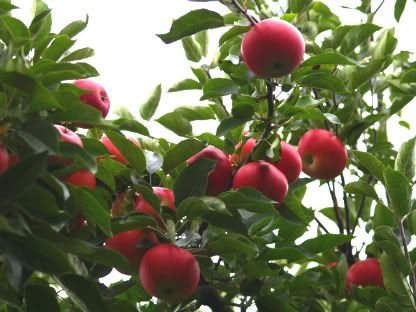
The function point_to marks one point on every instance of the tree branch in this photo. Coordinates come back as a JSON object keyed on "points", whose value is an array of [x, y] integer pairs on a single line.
{"points": [[244, 12], [270, 109], [336, 208]]}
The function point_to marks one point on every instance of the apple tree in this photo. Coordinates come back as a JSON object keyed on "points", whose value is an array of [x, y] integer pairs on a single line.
{"points": [[219, 220]]}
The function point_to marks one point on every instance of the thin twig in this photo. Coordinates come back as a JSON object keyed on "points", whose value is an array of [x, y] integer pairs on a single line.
{"points": [[336, 208], [270, 109], [360, 209], [321, 225], [244, 12]]}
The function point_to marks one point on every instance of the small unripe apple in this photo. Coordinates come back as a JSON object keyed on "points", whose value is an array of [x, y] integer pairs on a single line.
{"points": [[4, 159], [166, 197], [264, 177], [117, 156], [169, 273], [364, 273], [290, 163], [96, 96], [126, 244], [82, 177], [219, 179], [323, 154], [273, 48]]}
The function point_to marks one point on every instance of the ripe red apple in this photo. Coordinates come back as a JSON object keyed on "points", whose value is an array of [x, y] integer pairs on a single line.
{"points": [[323, 154], [166, 197], [273, 48], [237, 159], [264, 177], [4, 159], [82, 177], [169, 273], [67, 135], [290, 163], [126, 244], [364, 273], [219, 179], [117, 156], [96, 96]]}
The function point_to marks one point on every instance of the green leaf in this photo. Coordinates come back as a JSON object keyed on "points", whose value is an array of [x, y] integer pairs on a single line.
{"points": [[398, 190], [373, 165], [192, 23], [231, 244], [361, 188], [361, 75], [28, 170], [385, 45], [218, 87], [92, 209], [395, 282], [83, 293], [175, 122], [192, 49], [128, 149], [39, 297], [131, 222], [203, 41], [228, 124], [405, 160], [409, 76], [232, 32], [399, 9], [325, 242], [13, 30], [194, 207], [74, 28], [187, 84], [357, 35], [180, 153], [248, 199], [58, 47], [130, 125], [395, 252], [324, 81], [187, 185], [192, 113], [35, 253], [79, 54], [148, 108], [331, 58]]}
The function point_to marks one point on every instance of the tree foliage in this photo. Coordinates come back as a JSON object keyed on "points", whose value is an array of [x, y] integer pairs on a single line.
{"points": [[351, 82]]}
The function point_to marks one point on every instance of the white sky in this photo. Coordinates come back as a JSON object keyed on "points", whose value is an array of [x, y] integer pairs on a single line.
{"points": [[132, 60]]}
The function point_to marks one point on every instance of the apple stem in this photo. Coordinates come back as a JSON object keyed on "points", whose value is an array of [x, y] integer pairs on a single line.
{"points": [[244, 11]]}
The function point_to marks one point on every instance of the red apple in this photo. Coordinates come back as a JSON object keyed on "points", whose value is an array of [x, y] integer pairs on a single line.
{"points": [[323, 154], [290, 163], [4, 159], [117, 156], [117, 207], [264, 177], [364, 273], [166, 199], [126, 244], [67, 135], [273, 48], [237, 159], [219, 179], [169, 273], [96, 96], [80, 223], [82, 177]]}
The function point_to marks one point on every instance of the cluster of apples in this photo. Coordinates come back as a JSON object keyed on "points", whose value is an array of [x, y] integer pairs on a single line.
{"points": [[166, 271], [320, 154]]}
